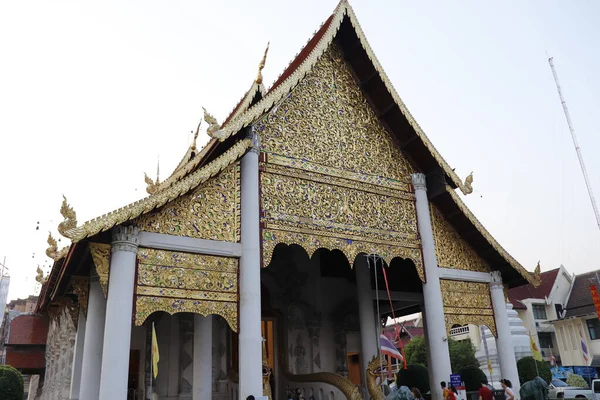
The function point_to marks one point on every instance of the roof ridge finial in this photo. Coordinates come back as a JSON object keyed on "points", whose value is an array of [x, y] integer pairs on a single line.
{"points": [[158, 170], [196, 135], [259, 77]]}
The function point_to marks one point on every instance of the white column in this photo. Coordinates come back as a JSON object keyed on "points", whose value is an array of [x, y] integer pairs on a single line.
{"points": [[203, 335], [366, 316], [119, 307], [77, 356], [250, 308], [504, 345], [432, 295], [92, 345], [174, 350]]}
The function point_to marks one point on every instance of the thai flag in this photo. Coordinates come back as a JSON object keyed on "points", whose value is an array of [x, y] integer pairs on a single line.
{"points": [[586, 354], [388, 348]]}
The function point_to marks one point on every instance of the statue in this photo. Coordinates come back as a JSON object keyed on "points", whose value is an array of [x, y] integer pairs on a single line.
{"points": [[535, 389], [469, 184]]}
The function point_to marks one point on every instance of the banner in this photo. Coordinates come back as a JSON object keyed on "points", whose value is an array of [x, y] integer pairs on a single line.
{"points": [[155, 354], [535, 352], [595, 298]]}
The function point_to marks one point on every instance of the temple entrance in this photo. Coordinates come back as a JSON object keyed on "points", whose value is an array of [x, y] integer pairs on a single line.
{"points": [[315, 299]]}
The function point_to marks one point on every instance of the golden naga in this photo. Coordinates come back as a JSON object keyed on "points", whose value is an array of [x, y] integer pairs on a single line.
{"points": [[469, 184], [70, 217], [152, 185], [40, 276], [52, 251], [349, 389], [214, 129], [375, 369], [259, 77]]}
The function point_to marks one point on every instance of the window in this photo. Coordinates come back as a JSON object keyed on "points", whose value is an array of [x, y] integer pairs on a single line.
{"points": [[594, 328], [545, 339], [539, 311]]}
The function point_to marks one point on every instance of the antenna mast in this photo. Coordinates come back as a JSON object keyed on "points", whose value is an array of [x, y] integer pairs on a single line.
{"points": [[577, 149]]}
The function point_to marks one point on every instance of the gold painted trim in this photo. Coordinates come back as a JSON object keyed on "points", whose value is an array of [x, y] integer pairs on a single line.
{"points": [[101, 257], [177, 259], [371, 183], [145, 306], [186, 294], [159, 199]]}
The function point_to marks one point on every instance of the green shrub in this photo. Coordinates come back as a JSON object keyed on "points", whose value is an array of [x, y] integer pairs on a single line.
{"points": [[415, 375], [577, 381], [472, 377], [11, 383], [527, 370]]}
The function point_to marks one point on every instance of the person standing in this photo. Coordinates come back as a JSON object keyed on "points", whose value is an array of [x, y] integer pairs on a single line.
{"points": [[416, 393], [445, 391], [508, 392], [484, 392]]}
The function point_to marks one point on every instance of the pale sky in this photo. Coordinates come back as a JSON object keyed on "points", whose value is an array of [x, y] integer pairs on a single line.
{"points": [[92, 93]]}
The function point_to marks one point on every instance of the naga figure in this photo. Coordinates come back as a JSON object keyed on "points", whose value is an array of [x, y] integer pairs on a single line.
{"points": [[53, 249], [152, 185], [40, 276], [375, 369], [469, 184], [213, 126], [70, 217]]}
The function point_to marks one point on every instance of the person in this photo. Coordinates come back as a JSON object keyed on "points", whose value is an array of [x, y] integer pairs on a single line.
{"points": [[444, 391], [507, 386], [484, 392], [452, 393], [417, 393]]}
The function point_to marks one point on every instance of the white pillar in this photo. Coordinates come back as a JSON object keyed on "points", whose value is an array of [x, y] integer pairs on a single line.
{"points": [[174, 350], [250, 353], [366, 316], [203, 335], [92, 345], [77, 356], [432, 295], [119, 307], [504, 345]]}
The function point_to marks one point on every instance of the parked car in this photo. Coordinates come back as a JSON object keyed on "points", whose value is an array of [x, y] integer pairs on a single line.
{"points": [[560, 390]]}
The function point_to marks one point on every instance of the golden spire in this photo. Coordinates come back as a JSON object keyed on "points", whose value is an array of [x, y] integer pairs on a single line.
{"points": [[196, 134], [259, 77], [70, 217], [158, 170]]}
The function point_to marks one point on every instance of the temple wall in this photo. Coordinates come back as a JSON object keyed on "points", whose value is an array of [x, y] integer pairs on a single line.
{"points": [[59, 355]]}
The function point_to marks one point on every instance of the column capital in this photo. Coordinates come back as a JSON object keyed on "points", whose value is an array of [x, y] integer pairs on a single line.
{"points": [[418, 181], [125, 238], [496, 282], [255, 141]]}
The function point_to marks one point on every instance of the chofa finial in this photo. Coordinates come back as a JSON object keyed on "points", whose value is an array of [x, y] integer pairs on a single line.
{"points": [[39, 278], [469, 184], [70, 217], [538, 270], [259, 77], [213, 125]]}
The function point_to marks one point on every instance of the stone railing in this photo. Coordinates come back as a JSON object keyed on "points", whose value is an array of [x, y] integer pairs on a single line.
{"points": [[461, 330]]}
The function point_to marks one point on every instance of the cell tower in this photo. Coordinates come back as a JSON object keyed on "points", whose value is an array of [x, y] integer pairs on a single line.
{"points": [[577, 149]]}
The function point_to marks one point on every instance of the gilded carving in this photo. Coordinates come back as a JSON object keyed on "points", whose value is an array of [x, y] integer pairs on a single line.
{"points": [[101, 257], [70, 217], [309, 204], [467, 303], [451, 250], [211, 211], [146, 305], [328, 121], [81, 289], [168, 281], [311, 242]]}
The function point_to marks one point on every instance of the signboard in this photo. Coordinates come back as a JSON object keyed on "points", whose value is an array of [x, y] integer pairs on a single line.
{"points": [[456, 381], [561, 372], [595, 298], [586, 372]]}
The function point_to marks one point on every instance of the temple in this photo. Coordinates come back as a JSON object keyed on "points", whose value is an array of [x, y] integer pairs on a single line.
{"points": [[264, 260]]}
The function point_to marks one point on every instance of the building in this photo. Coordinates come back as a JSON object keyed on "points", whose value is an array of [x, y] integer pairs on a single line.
{"points": [[578, 328], [258, 260], [538, 307]]}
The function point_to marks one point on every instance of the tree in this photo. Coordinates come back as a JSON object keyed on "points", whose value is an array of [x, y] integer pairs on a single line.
{"points": [[472, 377], [575, 380], [527, 370], [462, 354], [11, 383], [415, 375]]}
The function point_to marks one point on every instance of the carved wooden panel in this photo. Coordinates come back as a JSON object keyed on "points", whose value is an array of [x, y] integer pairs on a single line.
{"points": [[467, 303]]}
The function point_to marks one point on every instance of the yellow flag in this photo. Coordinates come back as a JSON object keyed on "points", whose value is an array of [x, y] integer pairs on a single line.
{"points": [[155, 355], [535, 352]]}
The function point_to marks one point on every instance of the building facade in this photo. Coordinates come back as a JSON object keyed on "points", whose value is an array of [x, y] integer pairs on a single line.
{"points": [[257, 262], [578, 328]]}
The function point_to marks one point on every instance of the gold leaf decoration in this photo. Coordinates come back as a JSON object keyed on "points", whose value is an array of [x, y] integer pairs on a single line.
{"points": [[101, 257], [70, 217], [467, 303], [81, 289]]}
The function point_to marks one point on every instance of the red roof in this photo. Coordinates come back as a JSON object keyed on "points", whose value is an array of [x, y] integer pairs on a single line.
{"points": [[529, 292], [304, 53]]}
